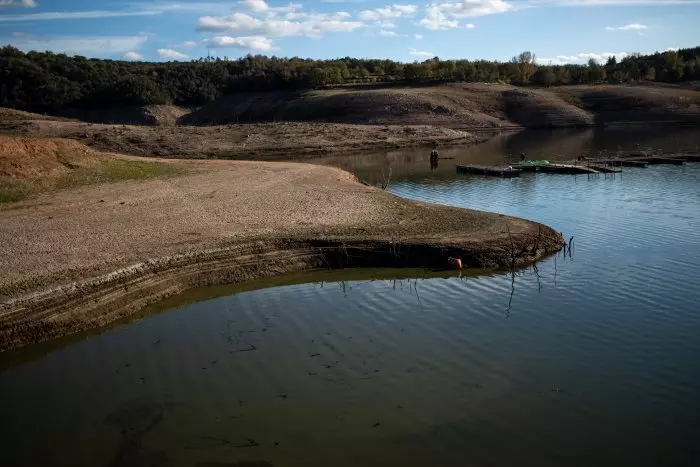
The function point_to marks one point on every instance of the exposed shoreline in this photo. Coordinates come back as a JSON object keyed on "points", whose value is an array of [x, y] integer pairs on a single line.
{"points": [[80, 259]]}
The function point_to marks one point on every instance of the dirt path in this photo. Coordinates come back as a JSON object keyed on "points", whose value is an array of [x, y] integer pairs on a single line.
{"points": [[226, 221]]}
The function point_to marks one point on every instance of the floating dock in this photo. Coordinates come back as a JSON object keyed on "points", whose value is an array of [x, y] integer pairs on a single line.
{"points": [[663, 160], [583, 167], [623, 163], [505, 172], [568, 169]]}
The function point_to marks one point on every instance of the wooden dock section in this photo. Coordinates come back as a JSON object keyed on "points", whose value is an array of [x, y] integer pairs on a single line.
{"points": [[623, 163], [663, 160], [604, 168], [505, 172], [569, 169], [605, 165]]}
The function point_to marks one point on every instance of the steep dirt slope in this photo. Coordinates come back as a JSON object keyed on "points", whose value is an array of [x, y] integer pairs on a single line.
{"points": [[154, 115], [8, 115], [22, 158], [619, 104], [455, 105], [464, 106]]}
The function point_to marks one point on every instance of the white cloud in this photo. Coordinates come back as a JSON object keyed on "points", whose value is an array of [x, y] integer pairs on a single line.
{"points": [[257, 43], [389, 11], [66, 15], [471, 8], [71, 45], [418, 36], [406, 9], [447, 15], [170, 54], [132, 56], [420, 53], [255, 5], [603, 55], [18, 4], [151, 8], [260, 6], [615, 2], [435, 19], [386, 24], [183, 45], [385, 33], [294, 24], [581, 58], [470, 26], [627, 27]]}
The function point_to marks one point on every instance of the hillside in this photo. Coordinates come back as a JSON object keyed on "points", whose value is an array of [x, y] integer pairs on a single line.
{"points": [[8, 115], [55, 83], [616, 104], [286, 124], [129, 115], [30, 166], [467, 106]]}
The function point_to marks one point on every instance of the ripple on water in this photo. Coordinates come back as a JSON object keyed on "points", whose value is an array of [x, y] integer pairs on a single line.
{"points": [[587, 359]]}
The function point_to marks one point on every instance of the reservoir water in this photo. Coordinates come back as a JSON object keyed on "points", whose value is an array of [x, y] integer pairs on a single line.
{"points": [[588, 359]]}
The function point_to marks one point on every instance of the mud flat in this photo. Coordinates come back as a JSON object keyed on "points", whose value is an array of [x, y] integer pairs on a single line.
{"points": [[79, 258]]}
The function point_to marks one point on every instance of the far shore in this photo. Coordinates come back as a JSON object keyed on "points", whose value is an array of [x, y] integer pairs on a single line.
{"points": [[78, 259]]}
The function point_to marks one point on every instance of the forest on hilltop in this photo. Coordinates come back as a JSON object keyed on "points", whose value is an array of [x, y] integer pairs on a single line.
{"points": [[47, 82]]}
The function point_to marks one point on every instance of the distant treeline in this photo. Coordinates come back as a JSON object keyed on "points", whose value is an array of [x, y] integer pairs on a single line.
{"points": [[46, 82]]}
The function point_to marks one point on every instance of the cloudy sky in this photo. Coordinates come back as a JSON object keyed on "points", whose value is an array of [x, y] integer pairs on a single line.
{"points": [[557, 31]]}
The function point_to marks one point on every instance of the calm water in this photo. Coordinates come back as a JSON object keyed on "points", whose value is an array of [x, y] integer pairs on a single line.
{"points": [[592, 359]]}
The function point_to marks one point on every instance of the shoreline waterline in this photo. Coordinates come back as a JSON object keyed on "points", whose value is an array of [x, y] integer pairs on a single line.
{"points": [[344, 224]]}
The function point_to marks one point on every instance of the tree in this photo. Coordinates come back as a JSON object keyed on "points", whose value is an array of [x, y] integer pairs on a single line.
{"points": [[526, 66], [596, 73], [544, 77], [612, 71], [46, 82], [673, 70]]}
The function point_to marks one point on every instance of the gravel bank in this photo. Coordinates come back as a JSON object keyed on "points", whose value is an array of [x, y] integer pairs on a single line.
{"points": [[79, 259]]}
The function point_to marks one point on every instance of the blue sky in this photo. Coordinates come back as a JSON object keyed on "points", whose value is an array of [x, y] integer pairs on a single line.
{"points": [[557, 31]]}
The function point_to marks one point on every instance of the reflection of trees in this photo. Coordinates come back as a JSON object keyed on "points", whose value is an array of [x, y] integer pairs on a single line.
{"points": [[550, 145], [414, 163]]}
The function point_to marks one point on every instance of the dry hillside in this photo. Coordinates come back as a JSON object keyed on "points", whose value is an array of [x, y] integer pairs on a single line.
{"points": [[468, 106], [156, 115], [243, 141], [471, 106], [8, 115], [22, 158], [31, 166], [617, 104], [465, 106]]}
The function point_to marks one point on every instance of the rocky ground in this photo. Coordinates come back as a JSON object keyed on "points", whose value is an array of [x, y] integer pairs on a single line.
{"points": [[78, 258]]}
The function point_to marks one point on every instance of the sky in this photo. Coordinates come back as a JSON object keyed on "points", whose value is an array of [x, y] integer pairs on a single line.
{"points": [[556, 31]]}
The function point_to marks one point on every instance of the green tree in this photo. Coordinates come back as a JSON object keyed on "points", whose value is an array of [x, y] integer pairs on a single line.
{"points": [[526, 66], [544, 76], [595, 72]]}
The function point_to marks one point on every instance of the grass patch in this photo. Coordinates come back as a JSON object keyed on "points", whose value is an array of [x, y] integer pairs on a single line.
{"points": [[12, 190], [115, 170], [103, 171]]}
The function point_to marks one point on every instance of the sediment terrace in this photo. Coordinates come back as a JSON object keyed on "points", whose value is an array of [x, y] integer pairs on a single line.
{"points": [[80, 258]]}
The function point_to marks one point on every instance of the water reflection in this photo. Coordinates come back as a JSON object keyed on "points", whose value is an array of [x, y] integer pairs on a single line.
{"points": [[589, 358], [415, 163]]}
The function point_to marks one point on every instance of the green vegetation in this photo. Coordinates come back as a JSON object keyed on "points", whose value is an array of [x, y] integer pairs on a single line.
{"points": [[47, 82], [104, 171]]}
